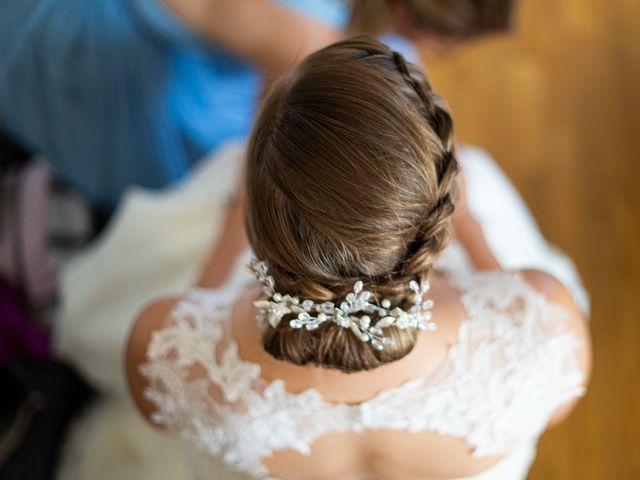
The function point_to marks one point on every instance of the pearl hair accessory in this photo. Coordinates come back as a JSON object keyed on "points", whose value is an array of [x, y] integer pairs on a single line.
{"points": [[353, 312]]}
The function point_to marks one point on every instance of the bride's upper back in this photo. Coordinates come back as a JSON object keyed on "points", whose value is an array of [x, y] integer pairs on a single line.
{"points": [[350, 183], [506, 356]]}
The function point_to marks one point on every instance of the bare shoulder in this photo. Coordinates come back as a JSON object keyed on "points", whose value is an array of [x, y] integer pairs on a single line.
{"points": [[149, 320], [550, 287], [575, 322], [558, 294]]}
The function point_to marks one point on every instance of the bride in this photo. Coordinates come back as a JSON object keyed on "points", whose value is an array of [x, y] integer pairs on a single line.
{"points": [[344, 353]]}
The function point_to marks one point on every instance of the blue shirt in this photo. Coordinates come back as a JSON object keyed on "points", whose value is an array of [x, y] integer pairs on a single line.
{"points": [[116, 92]]}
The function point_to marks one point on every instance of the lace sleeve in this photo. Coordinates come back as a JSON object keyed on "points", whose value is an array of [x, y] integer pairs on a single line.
{"points": [[185, 358], [518, 342]]}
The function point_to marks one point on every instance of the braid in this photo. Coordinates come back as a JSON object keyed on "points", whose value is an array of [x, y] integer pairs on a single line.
{"points": [[435, 110], [419, 87], [434, 232]]}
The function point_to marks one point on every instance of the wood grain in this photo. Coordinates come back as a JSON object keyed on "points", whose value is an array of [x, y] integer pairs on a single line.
{"points": [[558, 105]]}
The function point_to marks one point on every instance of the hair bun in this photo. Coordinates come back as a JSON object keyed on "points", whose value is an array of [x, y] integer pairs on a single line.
{"points": [[350, 175]]}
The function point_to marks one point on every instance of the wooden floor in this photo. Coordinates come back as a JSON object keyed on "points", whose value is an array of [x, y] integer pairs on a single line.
{"points": [[558, 105]]}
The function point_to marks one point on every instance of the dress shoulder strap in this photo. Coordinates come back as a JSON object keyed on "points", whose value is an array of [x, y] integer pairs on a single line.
{"points": [[192, 348], [518, 353]]}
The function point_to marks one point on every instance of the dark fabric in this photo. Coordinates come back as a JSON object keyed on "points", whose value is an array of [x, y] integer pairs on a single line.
{"points": [[38, 394], [46, 395], [11, 153], [19, 336]]}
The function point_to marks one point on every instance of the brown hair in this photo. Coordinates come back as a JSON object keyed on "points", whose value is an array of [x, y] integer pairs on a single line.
{"points": [[350, 175], [451, 18]]}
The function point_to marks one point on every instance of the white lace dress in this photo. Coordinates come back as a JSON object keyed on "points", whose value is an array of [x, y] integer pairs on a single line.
{"points": [[175, 229], [512, 365]]}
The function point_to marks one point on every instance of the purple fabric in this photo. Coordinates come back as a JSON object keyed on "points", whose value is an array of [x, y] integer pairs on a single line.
{"points": [[19, 336]]}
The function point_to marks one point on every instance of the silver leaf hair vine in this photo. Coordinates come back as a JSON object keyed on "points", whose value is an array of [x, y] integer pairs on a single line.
{"points": [[353, 312]]}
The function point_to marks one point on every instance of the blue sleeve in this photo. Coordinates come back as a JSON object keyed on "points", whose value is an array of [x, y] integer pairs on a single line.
{"points": [[117, 92], [121, 92], [84, 83]]}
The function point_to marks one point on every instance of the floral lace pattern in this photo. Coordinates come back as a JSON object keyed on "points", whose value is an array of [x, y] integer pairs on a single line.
{"points": [[511, 367]]}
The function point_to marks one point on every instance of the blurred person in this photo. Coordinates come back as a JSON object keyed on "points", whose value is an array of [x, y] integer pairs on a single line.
{"points": [[347, 352], [433, 25], [121, 92]]}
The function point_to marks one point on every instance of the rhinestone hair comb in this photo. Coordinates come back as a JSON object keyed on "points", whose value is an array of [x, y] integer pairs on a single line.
{"points": [[354, 312]]}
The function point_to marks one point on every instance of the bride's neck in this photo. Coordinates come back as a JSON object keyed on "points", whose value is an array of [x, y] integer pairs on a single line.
{"points": [[429, 352]]}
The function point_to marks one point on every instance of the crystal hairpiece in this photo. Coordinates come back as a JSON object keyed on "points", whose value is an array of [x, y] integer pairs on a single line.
{"points": [[353, 312]]}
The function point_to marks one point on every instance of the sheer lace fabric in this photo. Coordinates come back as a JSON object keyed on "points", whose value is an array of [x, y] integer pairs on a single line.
{"points": [[512, 366]]}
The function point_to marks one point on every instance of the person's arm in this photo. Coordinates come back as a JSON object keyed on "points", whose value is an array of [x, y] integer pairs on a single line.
{"points": [[231, 243], [260, 31], [136, 353], [469, 232]]}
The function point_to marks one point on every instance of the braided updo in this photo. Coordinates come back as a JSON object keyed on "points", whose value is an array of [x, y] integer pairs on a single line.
{"points": [[350, 175]]}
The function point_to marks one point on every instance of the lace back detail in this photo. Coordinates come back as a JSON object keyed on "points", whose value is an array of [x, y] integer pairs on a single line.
{"points": [[512, 366]]}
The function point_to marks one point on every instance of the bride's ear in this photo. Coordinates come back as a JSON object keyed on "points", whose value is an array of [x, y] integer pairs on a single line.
{"points": [[151, 319]]}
